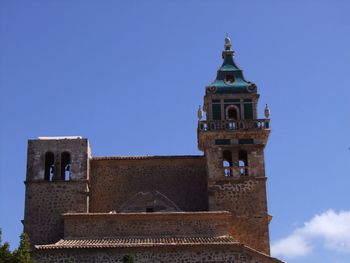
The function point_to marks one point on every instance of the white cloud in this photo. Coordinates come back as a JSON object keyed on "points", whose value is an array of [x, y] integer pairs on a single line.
{"points": [[291, 246], [329, 228]]}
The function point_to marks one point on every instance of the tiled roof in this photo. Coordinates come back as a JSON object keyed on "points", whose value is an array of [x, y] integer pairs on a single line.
{"points": [[139, 242], [146, 157]]}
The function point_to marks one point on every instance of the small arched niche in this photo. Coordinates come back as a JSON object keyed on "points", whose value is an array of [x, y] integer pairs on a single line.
{"points": [[229, 79]]}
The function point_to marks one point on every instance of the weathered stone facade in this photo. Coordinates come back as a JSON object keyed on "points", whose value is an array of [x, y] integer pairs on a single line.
{"points": [[201, 253], [208, 208], [47, 200], [114, 181]]}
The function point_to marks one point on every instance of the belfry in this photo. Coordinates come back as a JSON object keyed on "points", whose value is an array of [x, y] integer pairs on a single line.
{"points": [[189, 208]]}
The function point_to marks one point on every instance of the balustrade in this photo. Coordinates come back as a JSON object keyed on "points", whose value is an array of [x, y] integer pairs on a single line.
{"points": [[231, 125], [236, 171]]}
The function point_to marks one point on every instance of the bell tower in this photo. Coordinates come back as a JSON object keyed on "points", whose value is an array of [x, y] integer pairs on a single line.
{"points": [[57, 182], [233, 139]]}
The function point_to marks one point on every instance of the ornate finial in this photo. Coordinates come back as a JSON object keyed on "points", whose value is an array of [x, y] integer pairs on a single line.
{"points": [[227, 42], [267, 112], [199, 113]]}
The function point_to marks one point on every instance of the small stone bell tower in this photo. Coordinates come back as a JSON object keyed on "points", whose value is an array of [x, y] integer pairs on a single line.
{"points": [[233, 139], [57, 182]]}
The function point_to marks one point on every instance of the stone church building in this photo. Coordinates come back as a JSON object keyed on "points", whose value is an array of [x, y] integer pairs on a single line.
{"points": [[205, 208]]}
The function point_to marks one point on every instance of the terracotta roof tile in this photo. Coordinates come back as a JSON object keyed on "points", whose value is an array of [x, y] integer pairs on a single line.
{"points": [[139, 242]]}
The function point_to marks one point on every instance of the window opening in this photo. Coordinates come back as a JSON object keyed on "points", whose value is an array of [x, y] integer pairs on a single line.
{"points": [[65, 166], [49, 166], [243, 162], [232, 115], [149, 209], [227, 163]]}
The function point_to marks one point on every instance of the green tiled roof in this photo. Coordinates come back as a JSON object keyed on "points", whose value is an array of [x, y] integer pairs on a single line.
{"points": [[229, 68]]}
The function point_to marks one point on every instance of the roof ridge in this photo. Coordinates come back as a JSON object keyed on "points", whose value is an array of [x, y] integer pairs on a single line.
{"points": [[145, 157]]}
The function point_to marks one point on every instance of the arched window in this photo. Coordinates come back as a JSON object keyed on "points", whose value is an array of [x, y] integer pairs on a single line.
{"points": [[232, 113], [243, 162], [227, 163], [49, 166], [65, 166]]}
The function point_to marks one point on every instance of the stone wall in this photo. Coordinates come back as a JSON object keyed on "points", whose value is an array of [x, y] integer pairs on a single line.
{"points": [[245, 198], [45, 204], [217, 254], [214, 158], [79, 150], [114, 181], [175, 224]]}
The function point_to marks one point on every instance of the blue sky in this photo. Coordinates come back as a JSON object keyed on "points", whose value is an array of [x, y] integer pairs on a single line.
{"points": [[129, 75]]}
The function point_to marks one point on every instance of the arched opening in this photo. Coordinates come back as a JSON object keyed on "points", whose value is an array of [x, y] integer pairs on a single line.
{"points": [[227, 163], [232, 113], [243, 162], [49, 166], [65, 166]]}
